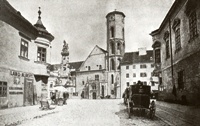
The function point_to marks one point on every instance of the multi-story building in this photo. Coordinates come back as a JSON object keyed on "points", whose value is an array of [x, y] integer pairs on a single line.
{"points": [[176, 49], [24, 58], [138, 66]]}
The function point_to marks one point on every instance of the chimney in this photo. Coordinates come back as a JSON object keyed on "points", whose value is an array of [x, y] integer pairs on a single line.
{"points": [[142, 51]]}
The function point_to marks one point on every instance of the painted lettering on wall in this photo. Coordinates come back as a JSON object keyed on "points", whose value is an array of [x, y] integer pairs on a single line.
{"points": [[15, 90], [22, 74]]}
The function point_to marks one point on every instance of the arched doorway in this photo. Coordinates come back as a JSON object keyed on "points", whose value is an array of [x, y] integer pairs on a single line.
{"points": [[94, 95]]}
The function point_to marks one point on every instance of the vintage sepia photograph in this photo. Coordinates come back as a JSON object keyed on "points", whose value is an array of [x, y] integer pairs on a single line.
{"points": [[99, 62]]}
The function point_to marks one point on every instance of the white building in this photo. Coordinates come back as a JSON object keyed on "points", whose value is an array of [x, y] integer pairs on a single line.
{"points": [[137, 66]]}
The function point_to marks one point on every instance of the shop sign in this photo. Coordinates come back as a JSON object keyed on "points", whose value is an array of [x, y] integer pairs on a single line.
{"points": [[22, 74], [15, 90]]}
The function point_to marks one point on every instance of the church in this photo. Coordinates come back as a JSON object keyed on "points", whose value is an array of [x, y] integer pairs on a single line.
{"points": [[99, 75]]}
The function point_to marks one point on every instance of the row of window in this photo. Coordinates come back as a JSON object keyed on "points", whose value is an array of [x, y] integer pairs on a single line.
{"points": [[41, 52], [144, 83], [192, 17], [141, 75], [141, 66], [134, 83], [89, 68]]}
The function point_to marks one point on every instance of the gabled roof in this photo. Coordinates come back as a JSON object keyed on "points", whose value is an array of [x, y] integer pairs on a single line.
{"points": [[133, 57], [104, 51], [75, 65]]}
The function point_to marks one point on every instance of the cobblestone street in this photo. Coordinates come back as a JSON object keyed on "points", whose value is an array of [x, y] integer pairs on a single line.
{"points": [[108, 112]]}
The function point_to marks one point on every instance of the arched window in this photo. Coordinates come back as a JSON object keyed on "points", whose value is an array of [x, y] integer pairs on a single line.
{"points": [[100, 67], [112, 79], [112, 64], [113, 48], [112, 32], [118, 48], [118, 65]]}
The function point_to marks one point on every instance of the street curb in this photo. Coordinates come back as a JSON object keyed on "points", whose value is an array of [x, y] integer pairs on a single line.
{"points": [[35, 117]]}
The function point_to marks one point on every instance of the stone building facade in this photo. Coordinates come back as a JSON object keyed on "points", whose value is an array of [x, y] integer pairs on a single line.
{"points": [[24, 56], [176, 49], [91, 77]]}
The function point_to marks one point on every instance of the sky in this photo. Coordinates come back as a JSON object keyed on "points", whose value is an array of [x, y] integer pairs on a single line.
{"points": [[82, 23]]}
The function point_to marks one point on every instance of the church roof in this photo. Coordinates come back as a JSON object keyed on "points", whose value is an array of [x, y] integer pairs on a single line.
{"points": [[134, 57], [41, 29]]}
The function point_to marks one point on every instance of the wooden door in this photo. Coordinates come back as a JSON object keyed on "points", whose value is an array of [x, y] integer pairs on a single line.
{"points": [[28, 92]]}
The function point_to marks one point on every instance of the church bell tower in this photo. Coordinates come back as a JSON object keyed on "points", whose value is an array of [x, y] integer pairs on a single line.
{"points": [[116, 49]]}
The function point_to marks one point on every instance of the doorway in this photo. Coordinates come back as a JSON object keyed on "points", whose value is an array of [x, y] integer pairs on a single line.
{"points": [[28, 92], [94, 95]]}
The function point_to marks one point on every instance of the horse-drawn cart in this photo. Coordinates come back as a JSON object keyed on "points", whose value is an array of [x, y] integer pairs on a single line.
{"points": [[138, 100]]}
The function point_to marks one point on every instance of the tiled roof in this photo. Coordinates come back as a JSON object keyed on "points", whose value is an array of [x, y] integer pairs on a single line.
{"points": [[133, 57], [75, 65]]}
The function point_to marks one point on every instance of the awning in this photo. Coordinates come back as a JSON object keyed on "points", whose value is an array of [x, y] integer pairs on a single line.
{"points": [[43, 78]]}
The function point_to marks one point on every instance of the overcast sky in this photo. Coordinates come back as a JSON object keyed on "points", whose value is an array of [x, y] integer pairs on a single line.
{"points": [[82, 23]]}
